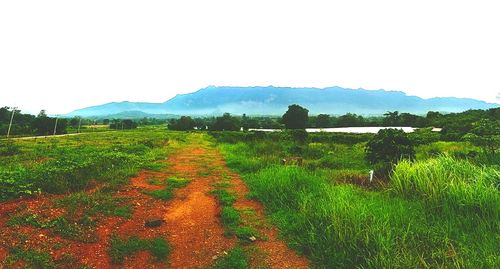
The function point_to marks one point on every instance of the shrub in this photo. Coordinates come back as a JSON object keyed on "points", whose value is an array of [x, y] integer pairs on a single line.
{"points": [[388, 147]]}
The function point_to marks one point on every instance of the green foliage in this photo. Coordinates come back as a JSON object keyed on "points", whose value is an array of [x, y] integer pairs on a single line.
{"points": [[295, 117], [70, 164], [121, 248], [123, 124], [184, 123], [456, 184], [485, 134], [236, 258], [323, 121], [8, 148], [95, 203], [342, 225], [389, 146], [163, 194], [168, 192], [230, 217], [31, 258], [224, 197], [226, 123]]}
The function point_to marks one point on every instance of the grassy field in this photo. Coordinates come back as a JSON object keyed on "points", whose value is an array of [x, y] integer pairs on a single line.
{"points": [[438, 212], [77, 180]]}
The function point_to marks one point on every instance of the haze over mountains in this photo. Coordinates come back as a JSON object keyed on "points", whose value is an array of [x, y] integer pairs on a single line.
{"points": [[271, 100]]}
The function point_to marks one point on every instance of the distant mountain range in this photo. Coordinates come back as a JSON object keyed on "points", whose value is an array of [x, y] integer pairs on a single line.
{"points": [[271, 100]]}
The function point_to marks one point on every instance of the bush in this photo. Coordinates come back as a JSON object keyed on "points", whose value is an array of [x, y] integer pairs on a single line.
{"points": [[389, 146]]}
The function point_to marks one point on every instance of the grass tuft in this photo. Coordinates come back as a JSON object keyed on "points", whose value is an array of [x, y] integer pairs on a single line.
{"points": [[121, 248]]}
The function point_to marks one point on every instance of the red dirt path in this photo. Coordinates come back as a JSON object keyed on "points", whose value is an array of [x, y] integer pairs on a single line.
{"points": [[192, 225]]}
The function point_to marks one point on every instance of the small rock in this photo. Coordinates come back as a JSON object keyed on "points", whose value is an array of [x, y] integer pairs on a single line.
{"points": [[214, 257], [252, 238], [153, 223]]}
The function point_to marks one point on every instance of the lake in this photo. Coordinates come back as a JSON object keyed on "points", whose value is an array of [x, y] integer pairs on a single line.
{"points": [[357, 130]]}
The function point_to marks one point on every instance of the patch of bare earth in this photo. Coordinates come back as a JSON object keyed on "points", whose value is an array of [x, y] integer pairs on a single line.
{"points": [[191, 221]]}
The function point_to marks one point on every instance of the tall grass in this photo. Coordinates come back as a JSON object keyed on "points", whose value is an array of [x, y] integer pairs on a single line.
{"points": [[445, 181], [451, 223]]}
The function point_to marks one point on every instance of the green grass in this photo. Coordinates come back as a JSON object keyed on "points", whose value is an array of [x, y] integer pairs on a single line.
{"points": [[155, 181], [174, 182], [235, 259], [71, 164], [167, 193], [163, 194], [82, 214], [230, 217], [435, 213], [224, 197], [31, 258], [455, 184], [122, 248]]}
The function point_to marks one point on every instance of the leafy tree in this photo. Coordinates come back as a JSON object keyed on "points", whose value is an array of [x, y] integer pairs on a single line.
{"points": [[350, 120], [226, 123], [184, 123], [74, 122], [123, 124], [323, 121], [391, 118], [485, 134], [295, 117], [388, 146], [43, 124]]}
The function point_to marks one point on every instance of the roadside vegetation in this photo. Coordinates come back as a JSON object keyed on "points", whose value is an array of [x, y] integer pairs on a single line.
{"points": [[441, 210], [77, 182]]}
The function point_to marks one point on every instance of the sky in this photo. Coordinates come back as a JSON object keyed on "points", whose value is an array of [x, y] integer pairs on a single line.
{"points": [[64, 55]]}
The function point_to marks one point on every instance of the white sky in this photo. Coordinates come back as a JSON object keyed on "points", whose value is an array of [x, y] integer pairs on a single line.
{"points": [[64, 55]]}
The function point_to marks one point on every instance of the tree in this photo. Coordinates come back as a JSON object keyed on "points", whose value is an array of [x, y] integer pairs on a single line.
{"points": [[295, 117], [350, 120], [323, 121], [184, 123], [391, 118], [226, 123], [485, 134], [42, 124], [388, 146]]}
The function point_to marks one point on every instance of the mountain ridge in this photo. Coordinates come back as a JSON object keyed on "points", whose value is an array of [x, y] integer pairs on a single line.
{"points": [[270, 100]]}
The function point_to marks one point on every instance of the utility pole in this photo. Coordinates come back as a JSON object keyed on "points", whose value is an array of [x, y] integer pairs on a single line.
{"points": [[11, 118], [79, 124], [55, 126]]}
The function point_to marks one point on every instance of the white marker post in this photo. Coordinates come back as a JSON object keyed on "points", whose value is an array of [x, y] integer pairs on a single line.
{"points": [[11, 118], [371, 176], [55, 125]]}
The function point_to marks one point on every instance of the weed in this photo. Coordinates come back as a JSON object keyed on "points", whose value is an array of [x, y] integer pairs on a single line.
{"points": [[245, 232], [168, 192], [155, 181], [224, 197], [175, 182], [32, 258], [230, 217], [121, 248], [235, 259]]}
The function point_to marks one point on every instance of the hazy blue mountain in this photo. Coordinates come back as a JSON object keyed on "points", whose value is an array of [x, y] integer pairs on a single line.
{"points": [[275, 100]]}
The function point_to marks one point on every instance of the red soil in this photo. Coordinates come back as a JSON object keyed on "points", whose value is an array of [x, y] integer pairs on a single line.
{"points": [[192, 225]]}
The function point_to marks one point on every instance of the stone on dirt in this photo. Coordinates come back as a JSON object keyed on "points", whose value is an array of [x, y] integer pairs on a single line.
{"points": [[153, 223]]}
